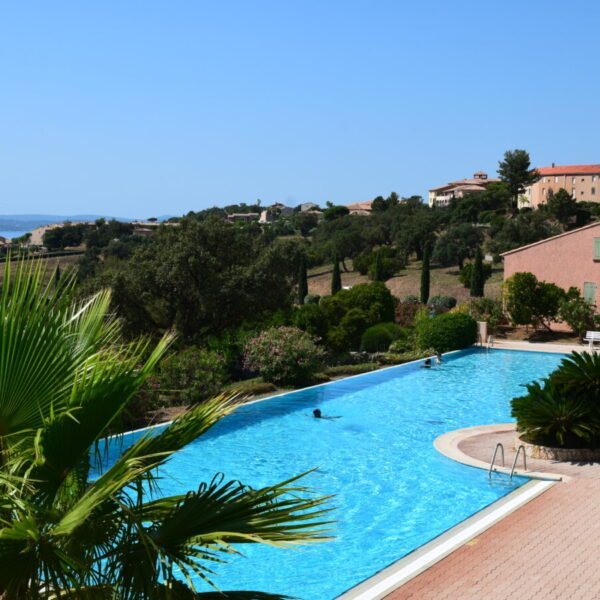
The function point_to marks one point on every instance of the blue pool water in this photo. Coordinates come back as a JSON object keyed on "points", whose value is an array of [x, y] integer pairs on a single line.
{"points": [[394, 491]]}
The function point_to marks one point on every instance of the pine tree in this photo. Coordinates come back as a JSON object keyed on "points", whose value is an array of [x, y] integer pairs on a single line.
{"points": [[336, 278], [425, 275], [477, 276], [302, 281]]}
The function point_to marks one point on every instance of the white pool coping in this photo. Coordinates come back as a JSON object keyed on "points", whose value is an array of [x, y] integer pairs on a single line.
{"points": [[390, 578]]}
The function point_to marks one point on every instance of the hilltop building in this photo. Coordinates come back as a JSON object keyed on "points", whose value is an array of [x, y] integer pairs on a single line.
{"points": [[581, 181], [442, 195], [274, 212], [360, 208]]}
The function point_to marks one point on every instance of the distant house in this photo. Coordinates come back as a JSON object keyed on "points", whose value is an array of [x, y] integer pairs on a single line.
{"points": [[571, 259], [581, 181], [360, 208], [243, 217], [442, 195], [274, 212], [309, 207]]}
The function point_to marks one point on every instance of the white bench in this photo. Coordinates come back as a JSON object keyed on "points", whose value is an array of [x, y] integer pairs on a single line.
{"points": [[591, 337]]}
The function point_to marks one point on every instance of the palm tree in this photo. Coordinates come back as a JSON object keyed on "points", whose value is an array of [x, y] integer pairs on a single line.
{"points": [[65, 377]]}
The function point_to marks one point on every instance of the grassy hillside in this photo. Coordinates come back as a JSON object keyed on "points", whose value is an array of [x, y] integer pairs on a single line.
{"points": [[444, 281]]}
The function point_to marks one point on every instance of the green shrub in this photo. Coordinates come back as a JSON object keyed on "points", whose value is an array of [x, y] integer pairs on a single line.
{"points": [[390, 261], [346, 335], [441, 303], [411, 299], [350, 312], [577, 313], [379, 337], [193, 375], [339, 370], [564, 409], [405, 341], [310, 318], [485, 309], [283, 355], [466, 273], [251, 387], [449, 331], [312, 299]]}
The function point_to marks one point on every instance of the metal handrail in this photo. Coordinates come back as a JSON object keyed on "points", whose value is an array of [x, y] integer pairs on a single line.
{"points": [[498, 445], [521, 447]]}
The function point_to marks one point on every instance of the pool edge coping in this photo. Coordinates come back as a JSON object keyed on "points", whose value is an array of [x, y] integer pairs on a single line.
{"points": [[447, 444], [393, 576]]}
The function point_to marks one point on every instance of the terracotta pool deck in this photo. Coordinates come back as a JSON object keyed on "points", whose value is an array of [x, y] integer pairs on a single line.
{"points": [[547, 550]]}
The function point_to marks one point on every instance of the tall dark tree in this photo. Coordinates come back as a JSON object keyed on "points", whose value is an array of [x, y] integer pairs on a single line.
{"points": [[425, 275], [378, 274], [302, 280], [336, 277], [562, 206], [515, 170], [477, 276]]}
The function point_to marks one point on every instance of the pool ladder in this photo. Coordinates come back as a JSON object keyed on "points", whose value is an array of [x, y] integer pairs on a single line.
{"points": [[500, 447]]}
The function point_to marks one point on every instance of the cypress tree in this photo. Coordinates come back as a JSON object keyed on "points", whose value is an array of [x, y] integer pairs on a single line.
{"points": [[302, 280], [336, 278], [425, 275], [378, 267], [477, 276]]}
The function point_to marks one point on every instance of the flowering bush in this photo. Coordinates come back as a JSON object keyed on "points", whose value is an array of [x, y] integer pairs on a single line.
{"points": [[283, 355]]}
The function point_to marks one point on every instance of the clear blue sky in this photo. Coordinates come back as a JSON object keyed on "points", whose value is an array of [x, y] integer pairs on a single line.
{"points": [[147, 108]]}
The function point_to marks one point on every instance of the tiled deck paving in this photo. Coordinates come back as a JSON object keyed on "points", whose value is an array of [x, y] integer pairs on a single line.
{"points": [[547, 550]]}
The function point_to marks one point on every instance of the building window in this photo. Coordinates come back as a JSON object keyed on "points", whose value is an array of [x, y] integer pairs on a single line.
{"points": [[573, 193], [583, 179], [556, 179], [543, 191], [597, 248], [594, 177], [573, 179], [593, 191], [589, 292]]}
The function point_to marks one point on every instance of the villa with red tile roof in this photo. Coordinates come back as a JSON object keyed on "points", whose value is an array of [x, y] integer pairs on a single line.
{"points": [[442, 195], [581, 181], [571, 259]]}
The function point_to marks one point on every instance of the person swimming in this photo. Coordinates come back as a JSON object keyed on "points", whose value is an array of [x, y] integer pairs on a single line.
{"points": [[438, 358], [317, 414], [426, 364]]}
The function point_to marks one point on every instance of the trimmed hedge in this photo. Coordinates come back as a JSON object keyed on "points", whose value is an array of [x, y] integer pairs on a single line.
{"points": [[446, 332], [339, 370], [379, 337]]}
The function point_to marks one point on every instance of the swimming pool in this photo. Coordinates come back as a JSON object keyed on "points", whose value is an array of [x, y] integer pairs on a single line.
{"points": [[394, 491]]}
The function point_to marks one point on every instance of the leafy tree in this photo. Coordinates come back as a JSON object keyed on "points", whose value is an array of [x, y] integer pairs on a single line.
{"points": [[577, 312], [335, 212], [532, 302], [562, 206], [205, 277], [302, 280], [67, 533], [523, 229], [515, 170], [425, 276], [305, 222], [336, 278], [478, 276], [456, 245], [379, 204]]}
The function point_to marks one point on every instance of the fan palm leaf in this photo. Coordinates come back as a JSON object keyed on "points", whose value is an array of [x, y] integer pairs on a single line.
{"points": [[65, 376]]}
